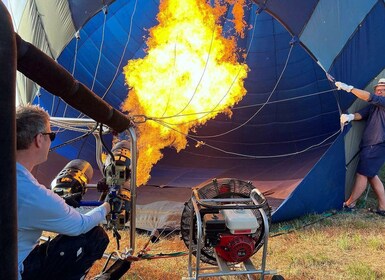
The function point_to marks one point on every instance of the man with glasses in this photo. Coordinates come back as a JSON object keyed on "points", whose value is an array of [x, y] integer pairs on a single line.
{"points": [[372, 147], [80, 241]]}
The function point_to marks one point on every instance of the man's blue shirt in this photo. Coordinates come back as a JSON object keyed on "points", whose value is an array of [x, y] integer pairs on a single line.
{"points": [[374, 114], [40, 209]]}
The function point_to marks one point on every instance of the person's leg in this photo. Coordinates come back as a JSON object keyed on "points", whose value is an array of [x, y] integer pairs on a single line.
{"points": [[359, 187], [66, 257], [96, 243], [378, 188]]}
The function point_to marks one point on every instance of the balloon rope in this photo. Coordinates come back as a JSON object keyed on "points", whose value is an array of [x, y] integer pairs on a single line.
{"points": [[100, 49], [248, 120], [228, 90], [105, 12], [332, 80], [124, 51], [244, 107], [201, 78], [259, 110], [247, 155], [77, 37]]}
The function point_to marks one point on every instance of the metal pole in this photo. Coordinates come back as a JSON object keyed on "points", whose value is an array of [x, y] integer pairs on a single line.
{"points": [[8, 214], [134, 165]]}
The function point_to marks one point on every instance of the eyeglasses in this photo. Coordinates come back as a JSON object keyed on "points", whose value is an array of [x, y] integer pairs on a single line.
{"points": [[52, 135]]}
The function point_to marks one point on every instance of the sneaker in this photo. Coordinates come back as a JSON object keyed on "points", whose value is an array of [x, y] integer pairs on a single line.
{"points": [[377, 211], [346, 208]]}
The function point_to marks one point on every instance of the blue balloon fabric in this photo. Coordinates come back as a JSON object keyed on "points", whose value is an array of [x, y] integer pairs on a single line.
{"points": [[288, 122]]}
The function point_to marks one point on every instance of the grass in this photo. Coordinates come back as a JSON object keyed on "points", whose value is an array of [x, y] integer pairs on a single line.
{"points": [[335, 246], [347, 246]]}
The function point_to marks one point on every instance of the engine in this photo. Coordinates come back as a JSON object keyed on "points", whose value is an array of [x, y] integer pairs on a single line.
{"points": [[230, 225], [231, 233]]}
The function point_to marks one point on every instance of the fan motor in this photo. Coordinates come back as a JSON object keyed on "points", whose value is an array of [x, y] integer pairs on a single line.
{"points": [[230, 231]]}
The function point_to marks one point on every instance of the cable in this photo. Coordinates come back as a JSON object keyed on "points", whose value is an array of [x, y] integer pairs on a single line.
{"points": [[243, 107], [203, 73], [235, 78], [293, 229], [245, 155], [70, 142], [104, 144], [332, 81], [173, 75], [236, 157], [77, 37], [263, 105], [105, 12], [101, 47], [259, 110], [124, 51], [82, 145]]}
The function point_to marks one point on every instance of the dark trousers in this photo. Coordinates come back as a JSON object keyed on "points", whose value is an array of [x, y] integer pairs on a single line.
{"points": [[65, 257]]}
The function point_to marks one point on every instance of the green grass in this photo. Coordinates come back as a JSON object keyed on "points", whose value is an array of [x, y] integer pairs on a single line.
{"points": [[336, 246], [333, 246]]}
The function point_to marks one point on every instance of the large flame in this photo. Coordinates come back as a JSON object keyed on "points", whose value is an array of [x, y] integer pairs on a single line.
{"points": [[189, 75]]}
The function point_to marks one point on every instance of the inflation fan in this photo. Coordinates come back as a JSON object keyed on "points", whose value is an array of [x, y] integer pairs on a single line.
{"points": [[224, 224]]}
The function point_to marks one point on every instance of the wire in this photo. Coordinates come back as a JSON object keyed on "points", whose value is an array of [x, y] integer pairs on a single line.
{"points": [[124, 51], [100, 48], [237, 157], [104, 144], [173, 76], [105, 12], [243, 107], [246, 155], [163, 256], [70, 142], [332, 81], [73, 66], [263, 105], [59, 124], [230, 87], [257, 112], [203, 73], [293, 229]]}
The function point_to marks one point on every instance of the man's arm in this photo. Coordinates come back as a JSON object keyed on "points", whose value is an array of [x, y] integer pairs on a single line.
{"points": [[347, 118], [361, 94], [357, 117]]}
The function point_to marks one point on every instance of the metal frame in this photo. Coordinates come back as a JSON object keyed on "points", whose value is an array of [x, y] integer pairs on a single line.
{"points": [[56, 121], [223, 268]]}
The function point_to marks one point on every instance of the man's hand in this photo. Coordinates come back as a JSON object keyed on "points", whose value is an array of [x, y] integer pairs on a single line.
{"points": [[115, 202], [73, 199], [343, 86], [346, 118]]}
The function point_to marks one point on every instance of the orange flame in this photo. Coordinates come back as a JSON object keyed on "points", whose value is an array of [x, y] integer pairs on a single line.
{"points": [[189, 75]]}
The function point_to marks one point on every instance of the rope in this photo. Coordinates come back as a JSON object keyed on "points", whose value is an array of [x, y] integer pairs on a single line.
{"points": [[105, 12], [203, 73], [124, 51], [162, 255], [241, 158], [77, 36], [74, 139], [100, 48], [289, 229], [228, 90], [246, 155], [255, 114], [246, 106]]}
